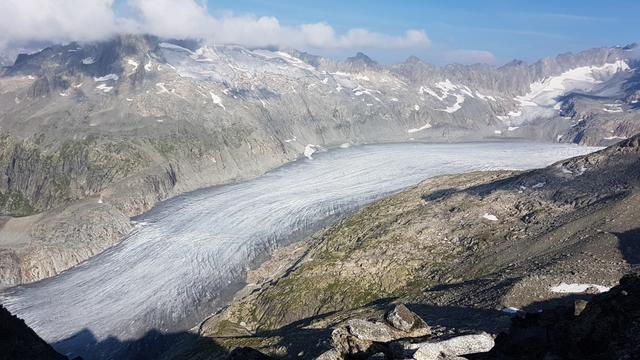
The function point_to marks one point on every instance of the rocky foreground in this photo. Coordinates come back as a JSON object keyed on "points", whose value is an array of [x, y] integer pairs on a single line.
{"points": [[464, 252], [606, 327]]}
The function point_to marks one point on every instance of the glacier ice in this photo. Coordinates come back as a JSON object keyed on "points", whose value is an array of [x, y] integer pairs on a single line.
{"points": [[187, 253]]}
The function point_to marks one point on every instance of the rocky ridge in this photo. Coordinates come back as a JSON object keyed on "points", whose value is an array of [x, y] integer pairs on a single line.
{"points": [[466, 252], [18, 341]]}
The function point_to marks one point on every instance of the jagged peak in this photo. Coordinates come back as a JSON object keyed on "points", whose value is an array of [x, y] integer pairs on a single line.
{"points": [[361, 59]]}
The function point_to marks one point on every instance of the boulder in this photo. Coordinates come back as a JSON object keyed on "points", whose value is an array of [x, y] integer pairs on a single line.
{"points": [[345, 342], [373, 331], [460, 345], [579, 306], [366, 337], [406, 320]]}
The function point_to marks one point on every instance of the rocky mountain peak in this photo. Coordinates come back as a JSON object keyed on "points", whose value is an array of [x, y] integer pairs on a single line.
{"points": [[413, 60], [361, 60]]}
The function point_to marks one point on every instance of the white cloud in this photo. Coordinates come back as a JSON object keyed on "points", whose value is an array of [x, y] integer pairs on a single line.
{"points": [[467, 56], [65, 20], [55, 20]]}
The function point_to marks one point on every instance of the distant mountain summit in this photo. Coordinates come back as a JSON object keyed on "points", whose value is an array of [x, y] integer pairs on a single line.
{"points": [[361, 61]]}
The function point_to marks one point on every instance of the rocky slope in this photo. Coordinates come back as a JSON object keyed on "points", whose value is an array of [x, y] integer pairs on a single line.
{"points": [[18, 341], [607, 327], [116, 126], [463, 251]]}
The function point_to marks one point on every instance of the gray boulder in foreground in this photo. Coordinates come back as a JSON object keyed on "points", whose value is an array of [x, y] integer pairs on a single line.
{"points": [[359, 336], [460, 345]]}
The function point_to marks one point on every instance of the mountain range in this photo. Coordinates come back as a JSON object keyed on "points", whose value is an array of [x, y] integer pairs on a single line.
{"points": [[94, 133]]}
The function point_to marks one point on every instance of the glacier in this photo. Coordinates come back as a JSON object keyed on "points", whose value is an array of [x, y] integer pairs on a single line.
{"points": [[187, 256]]}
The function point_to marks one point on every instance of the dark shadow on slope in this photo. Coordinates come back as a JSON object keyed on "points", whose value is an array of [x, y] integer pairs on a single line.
{"points": [[439, 194], [629, 246], [151, 346], [463, 319], [296, 337]]}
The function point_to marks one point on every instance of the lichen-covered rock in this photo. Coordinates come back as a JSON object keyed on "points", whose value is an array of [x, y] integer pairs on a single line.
{"points": [[346, 343], [459, 345], [406, 320]]}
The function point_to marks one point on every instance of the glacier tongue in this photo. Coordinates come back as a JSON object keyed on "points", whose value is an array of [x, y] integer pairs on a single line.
{"points": [[188, 253]]}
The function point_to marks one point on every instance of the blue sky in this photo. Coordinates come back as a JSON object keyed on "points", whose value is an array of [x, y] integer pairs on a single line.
{"points": [[526, 30]]}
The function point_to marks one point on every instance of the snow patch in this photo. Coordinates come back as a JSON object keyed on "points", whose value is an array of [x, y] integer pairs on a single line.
{"points": [[161, 88], [424, 127], [88, 60], [513, 128], [485, 97], [565, 288], [216, 100], [104, 88], [455, 107], [511, 310], [539, 185], [416, 107], [309, 150], [107, 77], [133, 63], [490, 217], [497, 132], [545, 92], [612, 108]]}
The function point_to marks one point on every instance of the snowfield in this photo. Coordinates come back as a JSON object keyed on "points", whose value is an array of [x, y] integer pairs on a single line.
{"points": [[189, 254]]}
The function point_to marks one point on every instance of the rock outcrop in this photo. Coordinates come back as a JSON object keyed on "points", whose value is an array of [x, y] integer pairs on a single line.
{"points": [[559, 233], [359, 337], [455, 347], [606, 327], [18, 341]]}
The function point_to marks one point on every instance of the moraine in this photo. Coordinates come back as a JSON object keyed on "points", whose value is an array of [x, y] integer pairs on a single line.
{"points": [[188, 255]]}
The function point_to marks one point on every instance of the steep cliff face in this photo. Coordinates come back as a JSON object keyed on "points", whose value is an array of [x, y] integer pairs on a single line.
{"points": [[18, 341], [134, 120]]}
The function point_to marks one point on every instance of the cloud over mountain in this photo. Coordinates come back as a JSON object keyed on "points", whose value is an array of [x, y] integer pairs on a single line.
{"points": [[23, 21]]}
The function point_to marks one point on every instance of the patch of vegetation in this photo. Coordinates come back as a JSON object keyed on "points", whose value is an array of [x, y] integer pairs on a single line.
{"points": [[15, 204]]}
